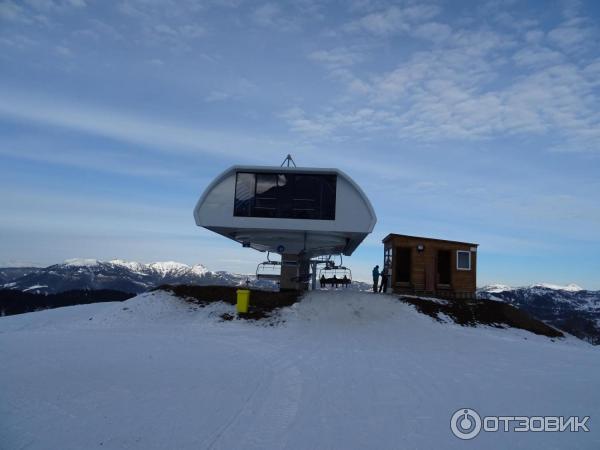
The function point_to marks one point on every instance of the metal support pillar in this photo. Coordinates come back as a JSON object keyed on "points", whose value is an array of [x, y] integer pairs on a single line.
{"points": [[313, 275], [295, 272]]}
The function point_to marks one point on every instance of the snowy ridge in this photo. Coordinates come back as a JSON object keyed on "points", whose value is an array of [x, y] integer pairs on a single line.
{"points": [[571, 287], [495, 288], [131, 265], [116, 274], [167, 267], [81, 262], [164, 267]]}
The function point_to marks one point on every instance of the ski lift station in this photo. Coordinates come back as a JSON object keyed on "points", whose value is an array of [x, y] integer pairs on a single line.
{"points": [[309, 216]]}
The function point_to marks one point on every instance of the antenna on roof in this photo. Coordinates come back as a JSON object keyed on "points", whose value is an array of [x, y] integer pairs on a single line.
{"points": [[288, 160]]}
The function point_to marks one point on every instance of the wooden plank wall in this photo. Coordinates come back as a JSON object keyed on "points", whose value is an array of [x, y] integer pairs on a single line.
{"points": [[424, 268]]}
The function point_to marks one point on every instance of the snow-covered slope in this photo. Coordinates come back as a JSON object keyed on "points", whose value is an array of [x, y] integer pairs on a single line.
{"points": [[342, 371], [569, 308], [9, 274]]}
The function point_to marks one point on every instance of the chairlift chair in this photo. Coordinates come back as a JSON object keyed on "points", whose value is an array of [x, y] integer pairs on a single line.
{"points": [[269, 270], [335, 275]]}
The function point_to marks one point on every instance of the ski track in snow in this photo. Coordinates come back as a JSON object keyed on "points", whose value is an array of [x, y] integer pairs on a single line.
{"points": [[268, 412], [345, 370]]}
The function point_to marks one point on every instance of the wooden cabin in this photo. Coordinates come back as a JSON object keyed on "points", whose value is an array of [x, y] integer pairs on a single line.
{"points": [[434, 267]]}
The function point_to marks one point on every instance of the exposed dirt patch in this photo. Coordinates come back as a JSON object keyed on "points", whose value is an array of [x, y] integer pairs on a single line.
{"points": [[485, 312], [262, 303]]}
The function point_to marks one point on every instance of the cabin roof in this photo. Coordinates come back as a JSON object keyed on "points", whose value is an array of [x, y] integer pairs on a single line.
{"points": [[394, 235]]}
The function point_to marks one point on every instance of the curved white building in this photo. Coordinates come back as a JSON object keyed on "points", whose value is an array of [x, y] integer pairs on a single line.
{"points": [[299, 211]]}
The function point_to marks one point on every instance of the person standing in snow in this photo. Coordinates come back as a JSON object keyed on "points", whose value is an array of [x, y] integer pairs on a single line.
{"points": [[375, 277], [384, 280]]}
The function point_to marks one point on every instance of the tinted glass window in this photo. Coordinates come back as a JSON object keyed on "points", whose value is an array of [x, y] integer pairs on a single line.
{"points": [[463, 260], [307, 197], [285, 196], [266, 196], [244, 193]]}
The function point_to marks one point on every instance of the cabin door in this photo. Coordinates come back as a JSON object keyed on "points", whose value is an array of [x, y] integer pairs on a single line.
{"points": [[430, 275], [403, 265], [444, 267]]}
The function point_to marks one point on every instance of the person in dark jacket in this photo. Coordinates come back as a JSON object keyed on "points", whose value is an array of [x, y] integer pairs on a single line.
{"points": [[375, 277], [384, 280]]}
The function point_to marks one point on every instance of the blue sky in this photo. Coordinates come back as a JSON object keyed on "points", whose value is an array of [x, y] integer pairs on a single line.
{"points": [[465, 120]]}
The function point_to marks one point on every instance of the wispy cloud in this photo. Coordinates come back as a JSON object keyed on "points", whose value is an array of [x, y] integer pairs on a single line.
{"points": [[55, 5], [11, 11], [433, 31], [572, 35], [272, 15], [454, 91], [337, 57], [161, 135], [94, 159], [537, 56], [35, 11], [393, 19]]}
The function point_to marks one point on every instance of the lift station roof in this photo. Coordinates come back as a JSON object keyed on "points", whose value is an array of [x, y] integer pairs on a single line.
{"points": [[292, 210]]}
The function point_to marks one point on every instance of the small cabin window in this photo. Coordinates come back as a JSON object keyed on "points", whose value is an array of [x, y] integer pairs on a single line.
{"points": [[463, 260], [285, 195]]}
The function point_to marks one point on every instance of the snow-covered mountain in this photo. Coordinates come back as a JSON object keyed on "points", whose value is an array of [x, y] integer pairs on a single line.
{"points": [[8, 274], [126, 276], [569, 308]]}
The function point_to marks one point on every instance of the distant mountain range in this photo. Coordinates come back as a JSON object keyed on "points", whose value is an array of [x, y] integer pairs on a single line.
{"points": [[124, 276], [117, 275], [569, 308]]}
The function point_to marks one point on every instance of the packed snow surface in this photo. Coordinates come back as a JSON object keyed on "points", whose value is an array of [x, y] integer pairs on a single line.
{"points": [[338, 370]]}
